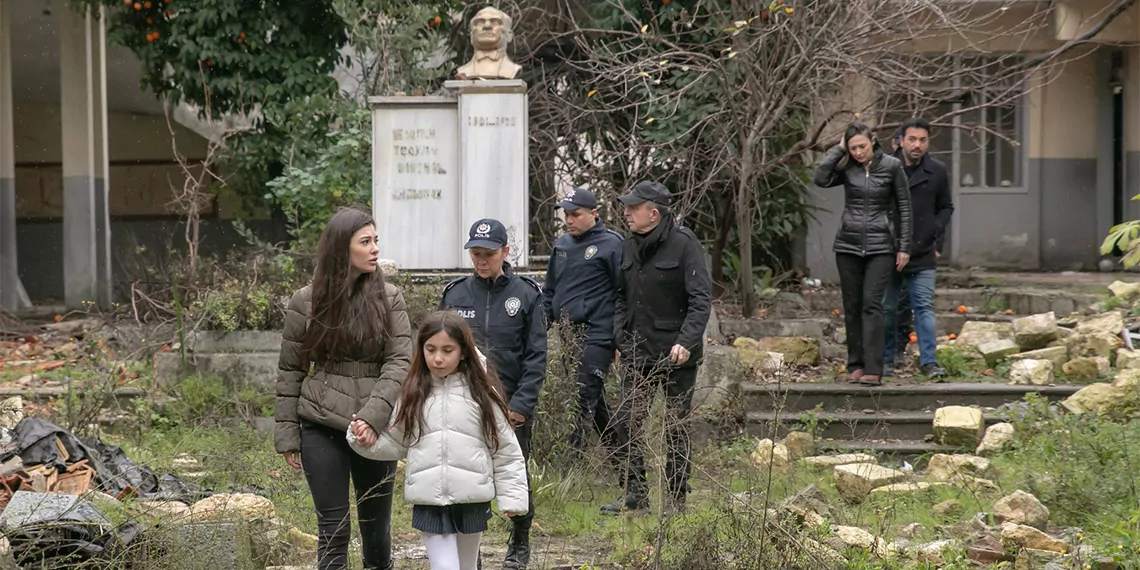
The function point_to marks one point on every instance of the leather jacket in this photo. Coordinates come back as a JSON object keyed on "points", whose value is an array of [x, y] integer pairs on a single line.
{"points": [[872, 194]]}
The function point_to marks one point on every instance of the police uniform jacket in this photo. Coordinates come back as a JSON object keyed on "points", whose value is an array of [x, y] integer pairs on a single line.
{"points": [[506, 318], [581, 279], [664, 296]]}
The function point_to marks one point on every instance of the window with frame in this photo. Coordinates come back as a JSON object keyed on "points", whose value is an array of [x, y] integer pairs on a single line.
{"points": [[991, 123]]}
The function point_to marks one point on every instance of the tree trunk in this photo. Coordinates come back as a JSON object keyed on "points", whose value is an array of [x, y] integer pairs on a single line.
{"points": [[723, 208]]}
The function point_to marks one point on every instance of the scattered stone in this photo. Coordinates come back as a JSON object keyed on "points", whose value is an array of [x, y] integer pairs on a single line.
{"points": [[1035, 331], [933, 552], [1095, 344], [987, 550], [1129, 377], [995, 351], [755, 357], [1126, 291], [1031, 372], [826, 555], [1021, 536], [796, 350], [945, 467], [911, 530], [1081, 369], [978, 332], [246, 505], [1033, 559], [810, 498], [1126, 359], [1109, 323], [958, 425], [975, 484], [856, 537], [11, 412], [769, 454], [996, 438], [841, 459], [1021, 508], [1058, 355], [905, 488], [1104, 399], [799, 444], [950, 509], [854, 482], [196, 545]]}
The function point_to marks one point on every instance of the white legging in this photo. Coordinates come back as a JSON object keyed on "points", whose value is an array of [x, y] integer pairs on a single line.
{"points": [[452, 551]]}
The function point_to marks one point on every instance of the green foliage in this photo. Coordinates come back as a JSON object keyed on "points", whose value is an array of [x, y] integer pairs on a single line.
{"points": [[1126, 237], [229, 55], [330, 166], [246, 293]]}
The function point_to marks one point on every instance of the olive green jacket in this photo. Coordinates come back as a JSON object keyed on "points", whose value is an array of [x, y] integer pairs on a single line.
{"points": [[332, 392]]}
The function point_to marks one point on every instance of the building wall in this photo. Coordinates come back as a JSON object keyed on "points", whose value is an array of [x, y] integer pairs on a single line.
{"points": [[1132, 131]]}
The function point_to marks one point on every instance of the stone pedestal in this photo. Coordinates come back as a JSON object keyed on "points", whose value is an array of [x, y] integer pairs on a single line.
{"points": [[494, 158], [416, 196]]}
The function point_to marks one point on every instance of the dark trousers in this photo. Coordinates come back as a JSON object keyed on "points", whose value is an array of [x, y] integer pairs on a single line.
{"points": [[905, 320], [637, 389], [523, 434], [863, 281], [593, 365], [329, 463]]}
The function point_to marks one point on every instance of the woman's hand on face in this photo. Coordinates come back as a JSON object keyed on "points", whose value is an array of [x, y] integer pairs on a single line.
{"points": [[901, 260], [293, 458], [364, 433], [843, 141]]}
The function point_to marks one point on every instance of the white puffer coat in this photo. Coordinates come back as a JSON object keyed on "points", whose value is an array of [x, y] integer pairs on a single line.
{"points": [[450, 463]]}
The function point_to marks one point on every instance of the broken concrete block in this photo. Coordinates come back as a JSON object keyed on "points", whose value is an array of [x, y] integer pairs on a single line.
{"points": [[796, 350], [979, 332], [998, 350], [996, 438], [799, 444], [854, 482], [1021, 536], [1031, 372], [1127, 378], [909, 488], [855, 537], [1058, 355], [1126, 291], [11, 411], [1111, 322], [943, 467], [771, 455], [958, 425], [841, 459], [1035, 331], [1021, 508], [1094, 344], [1082, 369], [1128, 359], [950, 509], [202, 545]]}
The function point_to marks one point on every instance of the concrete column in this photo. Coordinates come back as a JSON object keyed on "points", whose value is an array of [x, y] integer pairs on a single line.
{"points": [[9, 269], [83, 113]]}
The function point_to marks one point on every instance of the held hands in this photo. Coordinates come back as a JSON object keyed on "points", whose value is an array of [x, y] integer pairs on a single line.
{"points": [[516, 419], [678, 355], [901, 259], [364, 433]]}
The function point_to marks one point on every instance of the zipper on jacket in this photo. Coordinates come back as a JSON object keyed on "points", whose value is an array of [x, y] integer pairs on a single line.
{"points": [[443, 452], [487, 318], [866, 192]]}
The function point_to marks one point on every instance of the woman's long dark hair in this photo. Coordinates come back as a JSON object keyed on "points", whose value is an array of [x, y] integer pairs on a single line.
{"points": [[349, 316], [854, 130], [485, 387]]}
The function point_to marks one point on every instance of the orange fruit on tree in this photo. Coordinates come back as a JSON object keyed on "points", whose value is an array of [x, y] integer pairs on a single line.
{"points": [[962, 309], [241, 36], [913, 338], [149, 21], [437, 20], [147, 4]]}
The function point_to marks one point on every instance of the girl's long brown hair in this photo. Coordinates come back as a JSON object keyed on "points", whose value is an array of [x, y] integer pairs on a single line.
{"points": [[349, 316], [485, 387]]}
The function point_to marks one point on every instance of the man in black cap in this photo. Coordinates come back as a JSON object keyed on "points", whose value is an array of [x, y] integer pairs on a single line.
{"points": [[663, 304], [506, 315], [579, 287]]}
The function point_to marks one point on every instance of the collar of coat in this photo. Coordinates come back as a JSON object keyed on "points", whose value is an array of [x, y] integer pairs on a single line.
{"points": [[498, 282]]}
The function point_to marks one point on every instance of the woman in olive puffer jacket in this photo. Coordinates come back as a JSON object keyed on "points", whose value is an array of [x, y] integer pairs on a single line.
{"points": [[345, 352], [868, 247]]}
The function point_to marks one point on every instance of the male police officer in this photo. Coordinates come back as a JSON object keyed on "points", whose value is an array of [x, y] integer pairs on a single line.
{"points": [[663, 304], [580, 283], [506, 315]]}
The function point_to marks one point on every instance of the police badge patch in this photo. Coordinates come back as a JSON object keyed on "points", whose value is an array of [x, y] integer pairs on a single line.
{"points": [[513, 305], [590, 251]]}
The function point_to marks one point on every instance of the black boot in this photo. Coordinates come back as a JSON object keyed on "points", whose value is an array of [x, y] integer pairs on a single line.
{"points": [[630, 503], [518, 550]]}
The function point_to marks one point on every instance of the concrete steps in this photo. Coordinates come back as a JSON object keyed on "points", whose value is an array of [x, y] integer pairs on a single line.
{"points": [[890, 397], [890, 419], [1019, 300]]}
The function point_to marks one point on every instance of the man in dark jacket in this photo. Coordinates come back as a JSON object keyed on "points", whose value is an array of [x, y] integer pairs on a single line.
{"points": [[663, 306], [505, 313], [931, 206], [579, 287]]}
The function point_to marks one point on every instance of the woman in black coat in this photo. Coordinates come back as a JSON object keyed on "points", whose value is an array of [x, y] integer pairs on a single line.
{"points": [[868, 246]]}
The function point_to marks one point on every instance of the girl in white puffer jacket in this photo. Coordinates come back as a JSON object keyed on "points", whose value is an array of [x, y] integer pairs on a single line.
{"points": [[451, 424]]}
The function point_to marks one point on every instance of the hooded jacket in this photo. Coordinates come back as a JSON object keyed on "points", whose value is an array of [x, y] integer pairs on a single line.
{"points": [[872, 195], [450, 463]]}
